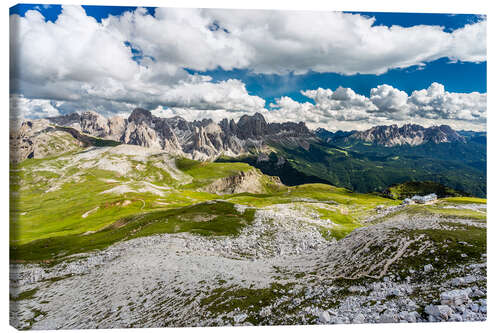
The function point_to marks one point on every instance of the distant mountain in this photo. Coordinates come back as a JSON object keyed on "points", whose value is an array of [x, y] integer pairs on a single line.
{"points": [[390, 136], [363, 161], [471, 133], [206, 140], [199, 140], [373, 160], [328, 136], [409, 134]]}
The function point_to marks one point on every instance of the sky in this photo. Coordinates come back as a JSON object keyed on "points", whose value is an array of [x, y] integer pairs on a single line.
{"points": [[336, 70]]}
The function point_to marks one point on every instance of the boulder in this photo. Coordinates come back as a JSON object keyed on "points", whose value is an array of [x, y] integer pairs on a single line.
{"points": [[412, 317], [358, 319], [455, 297], [478, 293], [428, 268], [324, 317], [388, 317], [439, 311], [240, 318]]}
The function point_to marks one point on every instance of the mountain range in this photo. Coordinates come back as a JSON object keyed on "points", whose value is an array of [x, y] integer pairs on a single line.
{"points": [[363, 161], [205, 139], [198, 140]]}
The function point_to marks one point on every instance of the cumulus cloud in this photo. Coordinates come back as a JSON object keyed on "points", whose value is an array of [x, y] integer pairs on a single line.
{"points": [[436, 103], [136, 59], [195, 114], [330, 108], [389, 101], [300, 41], [343, 104], [344, 109], [89, 65], [24, 108], [292, 41], [229, 95]]}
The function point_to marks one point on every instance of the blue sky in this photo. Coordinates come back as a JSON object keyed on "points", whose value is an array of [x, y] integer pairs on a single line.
{"points": [[462, 77], [270, 80]]}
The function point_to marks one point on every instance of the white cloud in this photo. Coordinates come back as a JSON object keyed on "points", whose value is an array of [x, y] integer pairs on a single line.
{"points": [[436, 103], [194, 114], [389, 101], [89, 65], [76, 48], [343, 104], [344, 109], [25, 108], [298, 41], [77, 64], [229, 95], [287, 109]]}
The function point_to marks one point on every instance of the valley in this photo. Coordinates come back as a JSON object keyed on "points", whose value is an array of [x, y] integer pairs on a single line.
{"points": [[134, 235]]}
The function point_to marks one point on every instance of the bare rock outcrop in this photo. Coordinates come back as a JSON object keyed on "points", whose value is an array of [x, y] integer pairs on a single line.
{"points": [[39, 139], [244, 181], [116, 128], [93, 123], [200, 140]]}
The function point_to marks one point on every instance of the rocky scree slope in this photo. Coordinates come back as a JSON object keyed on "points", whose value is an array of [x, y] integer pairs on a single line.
{"points": [[405, 267]]}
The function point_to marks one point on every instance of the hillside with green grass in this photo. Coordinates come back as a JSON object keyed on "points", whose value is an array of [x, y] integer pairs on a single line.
{"points": [[61, 205], [365, 167]]}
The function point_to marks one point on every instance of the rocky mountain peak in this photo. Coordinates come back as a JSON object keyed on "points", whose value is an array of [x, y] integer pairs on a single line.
{"points": [[443, 133], [410, 134], [252, 126], [140, 115], [93, 123], [199, 139]]}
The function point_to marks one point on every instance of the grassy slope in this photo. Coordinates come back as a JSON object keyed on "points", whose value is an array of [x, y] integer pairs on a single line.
{"points": [[37, 213], [45, 224], [465, 200], [449, 245], [204, 173], [211, 218]]}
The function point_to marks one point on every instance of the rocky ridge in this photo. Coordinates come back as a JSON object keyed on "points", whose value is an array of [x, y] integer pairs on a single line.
{"points": [[207, 140], [409, 134], [199, 140], [39, 139], [390, 136], [244, 181]]}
